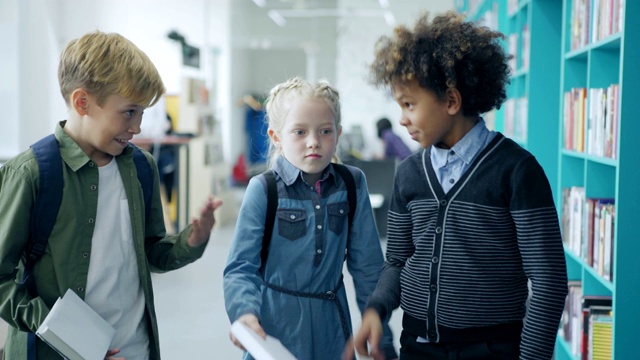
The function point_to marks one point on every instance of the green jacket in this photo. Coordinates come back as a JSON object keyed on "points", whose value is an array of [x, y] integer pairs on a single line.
{"points": [[65, 263]]}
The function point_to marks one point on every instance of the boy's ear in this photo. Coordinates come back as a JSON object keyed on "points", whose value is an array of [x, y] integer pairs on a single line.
{"points": [[80, 101], [454, 101]]}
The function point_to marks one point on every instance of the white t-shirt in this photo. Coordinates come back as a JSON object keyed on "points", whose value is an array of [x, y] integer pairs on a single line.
{"points": [[113, 283]]}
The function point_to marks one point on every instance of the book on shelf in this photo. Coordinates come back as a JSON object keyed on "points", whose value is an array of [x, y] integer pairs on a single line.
{"points": [[593, 306], [75, 330], [268, 348]]}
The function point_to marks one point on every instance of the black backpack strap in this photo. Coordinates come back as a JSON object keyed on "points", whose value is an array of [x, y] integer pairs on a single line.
{"points": [[270, 218], [145, 178], [349, 181], [46, 205]]}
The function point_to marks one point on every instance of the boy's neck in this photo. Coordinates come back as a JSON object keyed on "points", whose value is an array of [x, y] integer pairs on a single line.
{"points": [[462, 125]]}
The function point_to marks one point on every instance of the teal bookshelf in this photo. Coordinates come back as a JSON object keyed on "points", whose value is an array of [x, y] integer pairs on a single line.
{"points": [[553, 62], [599, 62], [533, 31]]}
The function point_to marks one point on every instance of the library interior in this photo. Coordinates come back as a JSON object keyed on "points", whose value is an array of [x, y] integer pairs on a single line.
{"points": [[568, 103]]}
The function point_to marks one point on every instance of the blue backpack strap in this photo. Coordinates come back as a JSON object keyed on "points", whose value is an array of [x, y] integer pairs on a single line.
{"points": [[145, 177], [43, 214], [46, 205]]}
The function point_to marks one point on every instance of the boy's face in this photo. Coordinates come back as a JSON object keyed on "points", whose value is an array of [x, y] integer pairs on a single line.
{"points": [[426, 117], [107, 129], [308, 137]]}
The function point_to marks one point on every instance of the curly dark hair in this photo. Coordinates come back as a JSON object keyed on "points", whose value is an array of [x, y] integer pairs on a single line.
{"points": [[447, 52]]}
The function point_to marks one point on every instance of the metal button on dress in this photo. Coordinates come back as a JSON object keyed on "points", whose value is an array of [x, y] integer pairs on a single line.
{"points": [[341, 211], [319, 227], [293, 217], [317, 207], [319, 251]]}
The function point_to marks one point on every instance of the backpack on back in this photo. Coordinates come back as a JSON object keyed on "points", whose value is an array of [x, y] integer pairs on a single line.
{"points": [[272, 207], [47, 203], [49, 197]]}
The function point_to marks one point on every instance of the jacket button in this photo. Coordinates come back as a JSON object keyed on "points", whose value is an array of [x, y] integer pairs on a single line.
{"points": [[85, 255], [80, 289]]}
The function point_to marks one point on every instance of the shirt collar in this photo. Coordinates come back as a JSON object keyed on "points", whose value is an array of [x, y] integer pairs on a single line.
{"points": [[290, 173], [466, 149], [71, 152]]}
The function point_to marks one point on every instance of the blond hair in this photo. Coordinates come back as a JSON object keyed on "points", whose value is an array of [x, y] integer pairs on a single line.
{"points": [[107, 64], [284, 95]]}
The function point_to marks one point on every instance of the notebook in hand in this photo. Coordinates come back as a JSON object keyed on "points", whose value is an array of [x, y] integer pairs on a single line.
{"points": [[75, 330], [261, 349]]}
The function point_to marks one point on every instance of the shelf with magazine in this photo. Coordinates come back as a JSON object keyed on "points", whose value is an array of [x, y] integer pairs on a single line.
{"points": [[598, 169]]}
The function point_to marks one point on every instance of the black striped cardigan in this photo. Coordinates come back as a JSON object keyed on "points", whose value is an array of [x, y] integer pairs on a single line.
{"points": [[463, 259]]}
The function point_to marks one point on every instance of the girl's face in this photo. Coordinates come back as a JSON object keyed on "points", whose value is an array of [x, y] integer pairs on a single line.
{"points": [[427, 118], [308, 138]]}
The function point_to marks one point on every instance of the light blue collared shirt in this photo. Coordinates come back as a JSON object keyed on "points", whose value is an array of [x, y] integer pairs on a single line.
{"points": [[450, 164]]}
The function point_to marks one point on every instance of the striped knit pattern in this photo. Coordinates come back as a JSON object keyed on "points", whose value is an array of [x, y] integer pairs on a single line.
{"points": [[467, 255]]}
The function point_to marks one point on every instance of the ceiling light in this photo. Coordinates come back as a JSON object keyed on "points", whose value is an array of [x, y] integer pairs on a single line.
{"points": [[383, 3], [277, 18], [389, 18], [260, 3]]}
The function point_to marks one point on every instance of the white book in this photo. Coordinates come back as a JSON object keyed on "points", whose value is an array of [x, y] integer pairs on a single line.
{"points": [[261, 349], [75, 330]]}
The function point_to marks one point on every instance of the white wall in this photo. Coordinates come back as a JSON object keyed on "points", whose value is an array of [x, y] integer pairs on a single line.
{"points": [[9, 83], [362, 104], [242, 51]]}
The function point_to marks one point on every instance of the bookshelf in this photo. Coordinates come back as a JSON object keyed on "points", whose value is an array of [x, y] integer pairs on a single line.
{"points": [[533, 31], [602, 160], [604, 163]]}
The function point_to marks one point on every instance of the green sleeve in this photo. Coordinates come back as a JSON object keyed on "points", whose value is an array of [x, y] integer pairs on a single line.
{"points": [[18, 185]]}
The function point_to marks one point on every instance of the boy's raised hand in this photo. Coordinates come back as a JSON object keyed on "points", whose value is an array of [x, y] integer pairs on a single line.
{"points": [[202, 226], [370, 332]]}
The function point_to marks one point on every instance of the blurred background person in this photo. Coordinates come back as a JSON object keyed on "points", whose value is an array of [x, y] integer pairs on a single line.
{"points": [[394, 147]]}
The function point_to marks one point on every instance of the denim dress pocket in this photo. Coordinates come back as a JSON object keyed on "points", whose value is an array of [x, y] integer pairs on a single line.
{"points": [[291, 223], [338, 213]]}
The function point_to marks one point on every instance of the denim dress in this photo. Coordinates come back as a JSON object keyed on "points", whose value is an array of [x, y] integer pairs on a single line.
{"points": [[307, 255]]}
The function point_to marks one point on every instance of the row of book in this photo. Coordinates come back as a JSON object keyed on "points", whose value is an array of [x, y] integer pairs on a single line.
{"points": [[592, 24], [588, 229], [519, 48], [593, 130], [587, 324], [515, 118]]}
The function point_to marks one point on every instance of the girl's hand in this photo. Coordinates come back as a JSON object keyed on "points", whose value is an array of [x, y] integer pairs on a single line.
{"points": [[252, 322], [201, 229], [110, 354]]}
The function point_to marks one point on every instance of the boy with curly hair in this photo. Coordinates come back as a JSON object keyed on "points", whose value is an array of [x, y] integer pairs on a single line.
{"points": [[472, 219]]}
